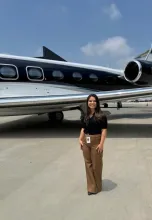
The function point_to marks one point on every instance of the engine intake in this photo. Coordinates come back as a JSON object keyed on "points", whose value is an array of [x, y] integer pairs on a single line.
{"points": [[133, 71], [139, 72]]}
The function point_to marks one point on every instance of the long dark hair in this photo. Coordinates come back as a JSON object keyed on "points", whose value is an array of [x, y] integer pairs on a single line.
{"points": [[98, 112]]}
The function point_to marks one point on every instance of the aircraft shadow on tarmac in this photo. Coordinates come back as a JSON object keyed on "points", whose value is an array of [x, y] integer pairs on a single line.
{"points": [[35, 127]]}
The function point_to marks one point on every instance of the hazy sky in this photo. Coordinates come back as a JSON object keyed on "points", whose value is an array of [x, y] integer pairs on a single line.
{"points": [[101, 32]]}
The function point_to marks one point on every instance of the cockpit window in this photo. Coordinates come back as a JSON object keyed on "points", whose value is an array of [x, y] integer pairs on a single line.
{"points": [[8, 71]]}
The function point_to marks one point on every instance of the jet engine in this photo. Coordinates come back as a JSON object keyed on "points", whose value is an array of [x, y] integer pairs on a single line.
{"points": [[139, 72]]}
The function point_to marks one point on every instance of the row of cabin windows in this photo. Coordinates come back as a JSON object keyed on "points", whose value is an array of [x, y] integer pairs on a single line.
{"points": [[36, 73]]}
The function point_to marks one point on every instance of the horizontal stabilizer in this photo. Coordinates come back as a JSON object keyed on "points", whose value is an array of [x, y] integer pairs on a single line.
{"points": [[50, 55]]}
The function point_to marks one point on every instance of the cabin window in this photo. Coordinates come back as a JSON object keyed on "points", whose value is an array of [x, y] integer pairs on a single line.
{"points": [[57, 74], [93, 77], [8, 71], [35, 73], [77, 76]]}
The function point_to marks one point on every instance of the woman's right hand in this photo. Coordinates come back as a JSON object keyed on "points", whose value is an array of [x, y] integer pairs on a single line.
{"points": [[81, 143]]}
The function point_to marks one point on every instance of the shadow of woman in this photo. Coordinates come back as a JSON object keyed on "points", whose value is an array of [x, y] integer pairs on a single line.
{"points": [[108, 185]]}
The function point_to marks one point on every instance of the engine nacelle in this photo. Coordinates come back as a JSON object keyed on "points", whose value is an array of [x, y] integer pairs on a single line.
{"points": [[139, 72]]}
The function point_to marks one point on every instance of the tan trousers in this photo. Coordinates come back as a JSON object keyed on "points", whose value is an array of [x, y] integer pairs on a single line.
{"points": [[93, 164]]}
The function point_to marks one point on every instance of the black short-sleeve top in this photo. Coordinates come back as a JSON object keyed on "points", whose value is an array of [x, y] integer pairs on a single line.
{"points": [[93, 126]]}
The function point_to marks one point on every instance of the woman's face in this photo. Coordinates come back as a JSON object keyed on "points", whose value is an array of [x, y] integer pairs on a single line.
{"points": [[92, 103]]}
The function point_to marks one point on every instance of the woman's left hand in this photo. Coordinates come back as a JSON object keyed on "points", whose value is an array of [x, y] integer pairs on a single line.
{"points": [[99, 148]]}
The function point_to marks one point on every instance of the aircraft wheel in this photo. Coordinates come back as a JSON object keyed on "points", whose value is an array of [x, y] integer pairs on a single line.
{"points": [[105, 105], [56, 116], [119, 105]]}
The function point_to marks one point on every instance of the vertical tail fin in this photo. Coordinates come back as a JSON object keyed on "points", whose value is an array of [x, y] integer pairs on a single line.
{"points": [[145, 54], [149, 52]]}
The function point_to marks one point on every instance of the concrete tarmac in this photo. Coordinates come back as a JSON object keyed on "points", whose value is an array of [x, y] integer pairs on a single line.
{"points": [[42, 174]]}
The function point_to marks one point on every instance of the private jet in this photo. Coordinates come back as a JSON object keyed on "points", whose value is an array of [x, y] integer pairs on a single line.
{"points": [[51, 85]]}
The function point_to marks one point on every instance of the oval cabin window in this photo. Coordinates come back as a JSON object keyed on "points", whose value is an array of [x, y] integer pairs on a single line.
{"points": [[93, 77], [57, 74], [8, 72], [35, 73], [77, 76]]}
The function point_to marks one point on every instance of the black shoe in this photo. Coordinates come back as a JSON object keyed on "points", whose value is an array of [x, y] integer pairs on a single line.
{"points": [[91, 193]]}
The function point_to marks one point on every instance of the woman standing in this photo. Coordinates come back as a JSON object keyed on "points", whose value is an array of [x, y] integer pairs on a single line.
{"points": [[92, 137]]}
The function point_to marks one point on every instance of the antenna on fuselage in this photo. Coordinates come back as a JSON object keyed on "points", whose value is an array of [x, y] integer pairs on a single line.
{"points": [[150, 50]]}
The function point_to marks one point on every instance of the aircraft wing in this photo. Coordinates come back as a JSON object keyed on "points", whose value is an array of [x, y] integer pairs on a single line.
{"points": [[71, 99], [61, 98]]}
